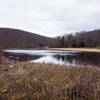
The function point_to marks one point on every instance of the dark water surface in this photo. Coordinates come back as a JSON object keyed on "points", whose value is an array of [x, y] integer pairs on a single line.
{"points": [[52, 56]]}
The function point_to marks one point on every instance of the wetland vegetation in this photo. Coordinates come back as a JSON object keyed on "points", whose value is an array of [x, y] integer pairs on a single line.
{"points": [[34, 81]]}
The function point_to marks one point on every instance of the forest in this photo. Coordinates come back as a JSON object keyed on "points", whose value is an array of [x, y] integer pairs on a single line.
{"points": [[15, 38], [80, 39]]}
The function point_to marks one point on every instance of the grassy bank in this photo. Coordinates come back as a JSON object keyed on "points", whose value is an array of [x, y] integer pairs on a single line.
{"points": [[31, 81], [78, 49]]}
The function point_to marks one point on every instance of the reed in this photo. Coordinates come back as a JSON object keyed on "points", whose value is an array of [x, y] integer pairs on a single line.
{"points": [[34, 81]]}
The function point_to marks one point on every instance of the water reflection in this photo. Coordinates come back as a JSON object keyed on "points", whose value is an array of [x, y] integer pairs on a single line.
{"points": [[8, 58], [52, 56], [55, 60], [83, 58]]}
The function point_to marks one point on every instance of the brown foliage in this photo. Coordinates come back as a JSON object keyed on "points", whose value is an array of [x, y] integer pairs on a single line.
{"points": [[31, 81], [14, 38]]}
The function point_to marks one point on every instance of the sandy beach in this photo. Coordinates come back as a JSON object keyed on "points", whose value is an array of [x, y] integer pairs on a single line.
{"points": [[77, 49]]}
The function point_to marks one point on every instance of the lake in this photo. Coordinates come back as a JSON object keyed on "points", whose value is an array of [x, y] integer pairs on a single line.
{"points": [[72, 58]]}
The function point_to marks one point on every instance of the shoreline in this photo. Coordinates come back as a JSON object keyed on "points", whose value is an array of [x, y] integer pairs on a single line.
{"points": [[63, 49], [77, 49]]}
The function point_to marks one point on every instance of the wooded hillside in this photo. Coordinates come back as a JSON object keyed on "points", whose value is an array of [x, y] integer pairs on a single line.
{"points": [[81, 39], [14, 38]]}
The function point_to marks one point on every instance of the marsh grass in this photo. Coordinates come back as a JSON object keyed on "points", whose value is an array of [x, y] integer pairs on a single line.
{"points": [[97, 47], [31, 81]]}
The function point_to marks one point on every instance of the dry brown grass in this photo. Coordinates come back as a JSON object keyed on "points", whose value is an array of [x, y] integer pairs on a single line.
{"points": [[31, 81], [77, 49]]}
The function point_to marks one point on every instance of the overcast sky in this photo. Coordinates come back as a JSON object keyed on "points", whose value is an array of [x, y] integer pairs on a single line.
{"points": [[50, 17]]}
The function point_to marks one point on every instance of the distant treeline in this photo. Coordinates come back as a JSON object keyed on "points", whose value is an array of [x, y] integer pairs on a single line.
{"points": [[81, 39]]}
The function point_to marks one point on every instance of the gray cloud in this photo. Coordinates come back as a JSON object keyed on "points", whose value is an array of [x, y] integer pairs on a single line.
{"points": [[50, 17]]}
